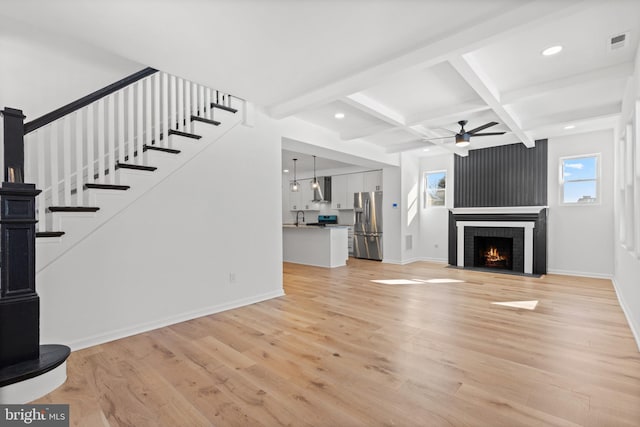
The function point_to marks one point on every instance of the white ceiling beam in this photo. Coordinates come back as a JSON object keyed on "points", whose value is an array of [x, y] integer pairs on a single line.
{"points": [[367, 131], [444, 115], [614, 72], [409, 145], [473, 74], [382, 112], [458, 42], [376, 109]]}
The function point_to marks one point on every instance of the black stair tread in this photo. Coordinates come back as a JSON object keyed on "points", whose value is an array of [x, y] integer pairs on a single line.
{"points": [[185, 134], [163, 149], [49, 233], [203, 120], [73, 208], [136, 167], [223, 107], [107, 186]]}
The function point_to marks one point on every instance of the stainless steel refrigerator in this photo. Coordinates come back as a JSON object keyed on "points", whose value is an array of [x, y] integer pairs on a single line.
{"points": [[367, 228]]}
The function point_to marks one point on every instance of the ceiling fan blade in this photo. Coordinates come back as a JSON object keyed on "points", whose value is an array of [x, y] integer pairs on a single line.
{"points": [[479, 128], [440, 137], [488, 134]]}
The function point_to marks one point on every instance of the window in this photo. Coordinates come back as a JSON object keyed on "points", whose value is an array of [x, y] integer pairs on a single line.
{"points": [[579, 179], [435, 184]]}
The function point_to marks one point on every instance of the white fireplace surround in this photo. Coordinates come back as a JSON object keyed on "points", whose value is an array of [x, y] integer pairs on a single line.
{"points": [[528, 227]]}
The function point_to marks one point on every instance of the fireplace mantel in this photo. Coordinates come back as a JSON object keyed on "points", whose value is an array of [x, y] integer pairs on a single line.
{"points": [[499, 210], [531, 220]]}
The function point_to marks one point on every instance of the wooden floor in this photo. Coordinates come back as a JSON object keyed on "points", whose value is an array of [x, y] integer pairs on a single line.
{"points": [[342, 350]]}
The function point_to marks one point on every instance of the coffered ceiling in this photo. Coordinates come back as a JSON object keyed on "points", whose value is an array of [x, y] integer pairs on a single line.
{"points": [[400, 71]]}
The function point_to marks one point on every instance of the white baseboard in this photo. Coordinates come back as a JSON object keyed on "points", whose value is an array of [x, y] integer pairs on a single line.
{"points": [[171, 320], [635, 328], [581, 274], [436, 260]]}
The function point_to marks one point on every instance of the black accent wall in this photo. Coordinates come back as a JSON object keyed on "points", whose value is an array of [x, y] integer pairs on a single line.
{"points": [[508, 175]]}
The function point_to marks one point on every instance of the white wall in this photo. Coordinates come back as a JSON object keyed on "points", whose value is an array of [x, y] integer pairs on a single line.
{"points": [[41, 71], [169, 256], [392, 216], [627, 262], [580, 237], [434, 220], [409, 208]]}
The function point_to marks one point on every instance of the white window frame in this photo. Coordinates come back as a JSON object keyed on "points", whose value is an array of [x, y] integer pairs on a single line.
{"points": [[426, 188], [598, 179]]}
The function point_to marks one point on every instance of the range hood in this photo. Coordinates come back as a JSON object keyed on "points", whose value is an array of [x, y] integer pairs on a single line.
{"points": [[322, 194]]}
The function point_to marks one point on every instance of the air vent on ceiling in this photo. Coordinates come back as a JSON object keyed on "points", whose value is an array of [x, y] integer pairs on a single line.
{"points": [[618, 41]]}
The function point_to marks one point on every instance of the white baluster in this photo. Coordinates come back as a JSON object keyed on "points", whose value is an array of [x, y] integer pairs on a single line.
{"points": [[79, 169], [201, 110], [148, 106], [139, 122], [90, 111], [55, 179], [102, 131], [66, 153], [111, 139], [187, 107], [207, 103], [41, 180], [165, 108], [180, 105], [131, 140], [194, 104], [157, 99], [120, 126], [173, 102]]}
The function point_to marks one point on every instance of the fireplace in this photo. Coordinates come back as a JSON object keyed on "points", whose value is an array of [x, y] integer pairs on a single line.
{"points": [[512, 239], [493, 252]]}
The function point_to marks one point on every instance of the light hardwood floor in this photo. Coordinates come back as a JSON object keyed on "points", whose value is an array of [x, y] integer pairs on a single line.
{"points": [[341, 350]]}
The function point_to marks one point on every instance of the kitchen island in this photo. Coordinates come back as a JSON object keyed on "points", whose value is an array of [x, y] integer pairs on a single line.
{"points": [[317, 246]]}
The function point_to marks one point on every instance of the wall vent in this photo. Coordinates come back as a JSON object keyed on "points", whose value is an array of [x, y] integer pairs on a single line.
{"points": [[618, 41]]}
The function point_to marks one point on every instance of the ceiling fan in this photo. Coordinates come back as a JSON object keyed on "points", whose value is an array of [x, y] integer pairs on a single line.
{"points": [[463, 137]]}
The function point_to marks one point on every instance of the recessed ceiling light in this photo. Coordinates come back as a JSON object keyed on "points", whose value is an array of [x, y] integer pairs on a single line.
{"points": [[286, 171], [425, 149], [339, 116], [552, 50], [568, 127]]}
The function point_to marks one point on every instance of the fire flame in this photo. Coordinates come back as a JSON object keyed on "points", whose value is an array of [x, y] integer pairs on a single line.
{"points": [[493, 255]]}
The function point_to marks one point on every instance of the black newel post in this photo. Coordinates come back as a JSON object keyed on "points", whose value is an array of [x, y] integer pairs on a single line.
{"points": [[19, 302], [21, 355]]}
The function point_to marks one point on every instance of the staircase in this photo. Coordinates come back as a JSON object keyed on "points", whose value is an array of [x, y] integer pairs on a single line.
{"points": [[95, 157]]}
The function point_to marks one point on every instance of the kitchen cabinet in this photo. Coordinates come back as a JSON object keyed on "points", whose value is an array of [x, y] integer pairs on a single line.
{"points": [[355, 184], [306, 193], [295, 198], [339, 198], [372, 181], [302, 200]]}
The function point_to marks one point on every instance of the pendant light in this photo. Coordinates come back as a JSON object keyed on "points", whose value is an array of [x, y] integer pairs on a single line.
{"points": [[314, 183], [294, 185]]}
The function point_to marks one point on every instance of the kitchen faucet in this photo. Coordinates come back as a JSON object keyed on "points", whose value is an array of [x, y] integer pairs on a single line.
{"points": [[298, 216]]}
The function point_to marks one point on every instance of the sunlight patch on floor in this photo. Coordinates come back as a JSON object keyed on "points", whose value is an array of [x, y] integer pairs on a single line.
{"points": [[527, 305], [397, 282], [444, 281], [415, 281]]}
